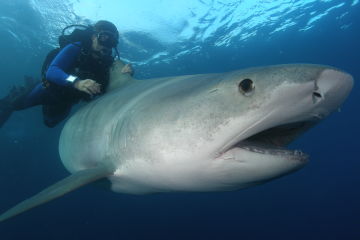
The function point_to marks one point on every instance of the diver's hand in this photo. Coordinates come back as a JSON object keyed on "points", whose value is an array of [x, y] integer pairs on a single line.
{"points": [[89, 86], [127, 69]]}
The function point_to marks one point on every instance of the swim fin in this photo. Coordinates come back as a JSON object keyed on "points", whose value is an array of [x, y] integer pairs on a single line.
{"points": [[6, 110], [15, 99]]}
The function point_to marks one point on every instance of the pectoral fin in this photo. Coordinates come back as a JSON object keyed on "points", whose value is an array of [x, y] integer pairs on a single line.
{"points": [[60, 188]]}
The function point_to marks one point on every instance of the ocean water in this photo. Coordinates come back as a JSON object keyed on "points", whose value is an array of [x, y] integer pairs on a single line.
{"points": [[168, 38]]}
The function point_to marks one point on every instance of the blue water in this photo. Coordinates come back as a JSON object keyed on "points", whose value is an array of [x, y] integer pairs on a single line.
{"points": [[165, 38]]}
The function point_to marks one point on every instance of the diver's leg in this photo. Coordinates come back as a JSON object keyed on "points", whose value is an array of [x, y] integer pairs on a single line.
{"points": [[37, 96], [54, 114]]}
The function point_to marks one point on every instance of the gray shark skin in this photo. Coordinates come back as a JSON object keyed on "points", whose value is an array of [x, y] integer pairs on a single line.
{"points": [[209, 132], [183, 133]]}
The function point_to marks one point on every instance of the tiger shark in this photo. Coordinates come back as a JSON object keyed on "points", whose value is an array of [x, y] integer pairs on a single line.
{"points": [[207, 132]]}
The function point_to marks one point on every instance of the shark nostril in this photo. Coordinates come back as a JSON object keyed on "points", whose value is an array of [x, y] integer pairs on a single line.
{"points": [[317, 95]]}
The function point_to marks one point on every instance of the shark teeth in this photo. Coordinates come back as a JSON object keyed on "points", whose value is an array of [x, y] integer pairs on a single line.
{"points": [[268, 149], [272, 141]]}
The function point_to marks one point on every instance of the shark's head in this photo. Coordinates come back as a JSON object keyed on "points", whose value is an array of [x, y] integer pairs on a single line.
{"points": [[225, 132]]}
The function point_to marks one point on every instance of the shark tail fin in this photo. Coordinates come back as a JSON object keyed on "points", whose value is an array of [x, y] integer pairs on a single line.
{"points": [[59, 189]]}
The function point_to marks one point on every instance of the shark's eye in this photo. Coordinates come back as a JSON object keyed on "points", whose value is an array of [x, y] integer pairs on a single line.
{"points": [[246, 86]]}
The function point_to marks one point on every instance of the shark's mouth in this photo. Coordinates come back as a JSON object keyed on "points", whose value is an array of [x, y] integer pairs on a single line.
{"points": [[274, 140]]}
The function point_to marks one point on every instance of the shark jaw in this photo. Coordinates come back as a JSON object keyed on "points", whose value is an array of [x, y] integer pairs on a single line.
{"points": [[270, 142], [260, 157]]}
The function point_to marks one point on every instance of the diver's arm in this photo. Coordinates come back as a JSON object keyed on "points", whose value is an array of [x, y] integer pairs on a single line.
{"points": [[89, 86], [62, 63]]}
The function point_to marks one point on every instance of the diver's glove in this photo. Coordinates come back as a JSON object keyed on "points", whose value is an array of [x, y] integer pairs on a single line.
{"points": [[89, 86]]}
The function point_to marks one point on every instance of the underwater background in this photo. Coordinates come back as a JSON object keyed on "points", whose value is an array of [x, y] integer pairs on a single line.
{"points": [[167, 38]]}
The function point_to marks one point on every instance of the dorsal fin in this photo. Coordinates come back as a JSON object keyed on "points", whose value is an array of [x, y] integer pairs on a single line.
{"points": [[117, 78], [60, 188]]}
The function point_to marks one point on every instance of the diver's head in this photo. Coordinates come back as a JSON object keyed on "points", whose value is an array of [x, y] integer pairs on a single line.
{"points": [[105, 38]]}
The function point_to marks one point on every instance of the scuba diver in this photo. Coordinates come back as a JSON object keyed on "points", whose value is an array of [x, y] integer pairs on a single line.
{"points": [[77, 70]]}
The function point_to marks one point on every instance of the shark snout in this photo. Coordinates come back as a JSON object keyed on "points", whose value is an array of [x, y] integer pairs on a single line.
{"points": [[331, 88], [333, 85]]}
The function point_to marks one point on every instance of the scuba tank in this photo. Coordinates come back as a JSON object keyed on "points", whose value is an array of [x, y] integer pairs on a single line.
{"points": [[78, 35]]}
